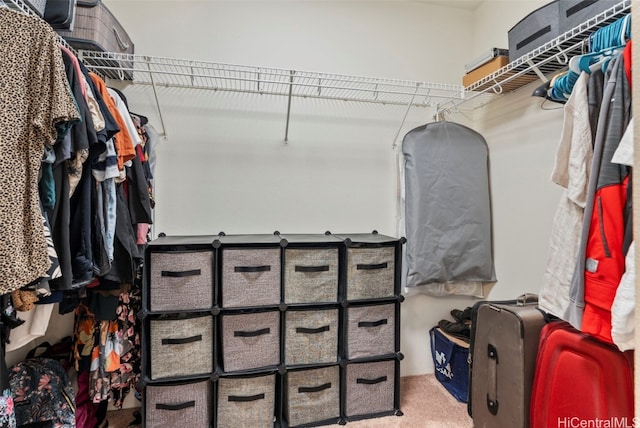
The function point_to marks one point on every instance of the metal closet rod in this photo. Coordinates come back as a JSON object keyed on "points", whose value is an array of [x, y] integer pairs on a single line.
{"points": [[204, 70], [186, 74], [287, 84]]}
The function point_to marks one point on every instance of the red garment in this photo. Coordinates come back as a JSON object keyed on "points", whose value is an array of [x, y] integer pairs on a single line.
{"points": [[609, 223], [628, 61], [605, 245], [85, 409]]}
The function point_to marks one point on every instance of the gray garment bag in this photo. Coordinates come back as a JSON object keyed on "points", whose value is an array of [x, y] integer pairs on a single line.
{"points": [[447, 206]]}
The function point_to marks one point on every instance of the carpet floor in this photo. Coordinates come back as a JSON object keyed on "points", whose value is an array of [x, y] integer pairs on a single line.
{"points": [[423, 400]]}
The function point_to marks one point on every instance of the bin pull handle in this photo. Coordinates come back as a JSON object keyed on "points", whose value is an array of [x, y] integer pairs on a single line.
{"points": [[174, 407]]}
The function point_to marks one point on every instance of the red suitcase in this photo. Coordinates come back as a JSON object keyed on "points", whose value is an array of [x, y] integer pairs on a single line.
{"points": [[580, 381]]}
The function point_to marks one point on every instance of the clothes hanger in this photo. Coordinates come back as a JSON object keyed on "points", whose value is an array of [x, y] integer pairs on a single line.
{"points": [[543, 91], [592, 61]]}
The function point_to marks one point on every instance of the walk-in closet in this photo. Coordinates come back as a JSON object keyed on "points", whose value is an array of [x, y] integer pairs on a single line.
{"points": [[290, 213]]}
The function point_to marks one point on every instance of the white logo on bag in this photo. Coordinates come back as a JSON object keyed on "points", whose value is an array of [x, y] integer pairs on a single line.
{"points": [[446, 370]]}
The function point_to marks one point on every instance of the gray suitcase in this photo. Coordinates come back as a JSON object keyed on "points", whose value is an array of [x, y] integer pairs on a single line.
{"points": [[504, 347], [96, 29]]}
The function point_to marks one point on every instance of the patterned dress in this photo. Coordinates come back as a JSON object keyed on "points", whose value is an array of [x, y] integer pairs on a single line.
{"points": [[34, 97]]}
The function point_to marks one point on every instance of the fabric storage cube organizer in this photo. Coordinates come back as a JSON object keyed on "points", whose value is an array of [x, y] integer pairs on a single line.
{"points": [[96, 29], [450, 356], [534, 30], [185, 404], [370, 273], [246, 401], [371, 330], [250, 277], [313, 396], [250, 340], [311, 336], [370, 388], [181, 280], [310, 275], [181, 346]]}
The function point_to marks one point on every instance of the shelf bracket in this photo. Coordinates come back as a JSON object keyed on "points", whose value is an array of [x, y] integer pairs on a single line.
{"points": [[286, 130], [163, 134], [537, 71], [404, 118]]}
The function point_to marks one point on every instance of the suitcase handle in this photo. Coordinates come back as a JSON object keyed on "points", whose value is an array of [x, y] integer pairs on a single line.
{"points": [[372, 323], [318, 388], [247, 269], [526, 298], [492, 403], [180, 274], [173, 407], [363, 266], [324, 268], [182, 340], [123, 45]]}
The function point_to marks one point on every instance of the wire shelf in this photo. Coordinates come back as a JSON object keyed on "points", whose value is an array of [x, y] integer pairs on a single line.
{"points": [[180, 73], [549, 58]]}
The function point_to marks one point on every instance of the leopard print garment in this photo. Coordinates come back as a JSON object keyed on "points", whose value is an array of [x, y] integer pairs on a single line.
{"points": [[34, 95]]}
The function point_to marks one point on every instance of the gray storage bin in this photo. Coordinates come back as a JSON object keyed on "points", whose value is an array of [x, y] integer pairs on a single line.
{"points": [[181, 347], [312, 395], [539, 27], [576, 12], [311, 336], [250, 341], [181, 280], [250, 277], [370, 388], [370, 273], [187, 405], [310, 275], [371, 330], [246, 402]]}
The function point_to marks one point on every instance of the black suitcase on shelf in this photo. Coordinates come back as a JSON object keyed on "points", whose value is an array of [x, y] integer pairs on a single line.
{"points": [[60, 14], [503, 351]]}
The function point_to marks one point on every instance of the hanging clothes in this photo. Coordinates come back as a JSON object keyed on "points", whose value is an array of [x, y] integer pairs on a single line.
{"points": [[624, 303], [600, 264], [571, 171], [35, 97]]}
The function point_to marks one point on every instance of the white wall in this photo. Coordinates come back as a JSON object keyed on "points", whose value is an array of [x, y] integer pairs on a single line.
{"points": [[225, 166], [522, 133], [494, 18]]}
